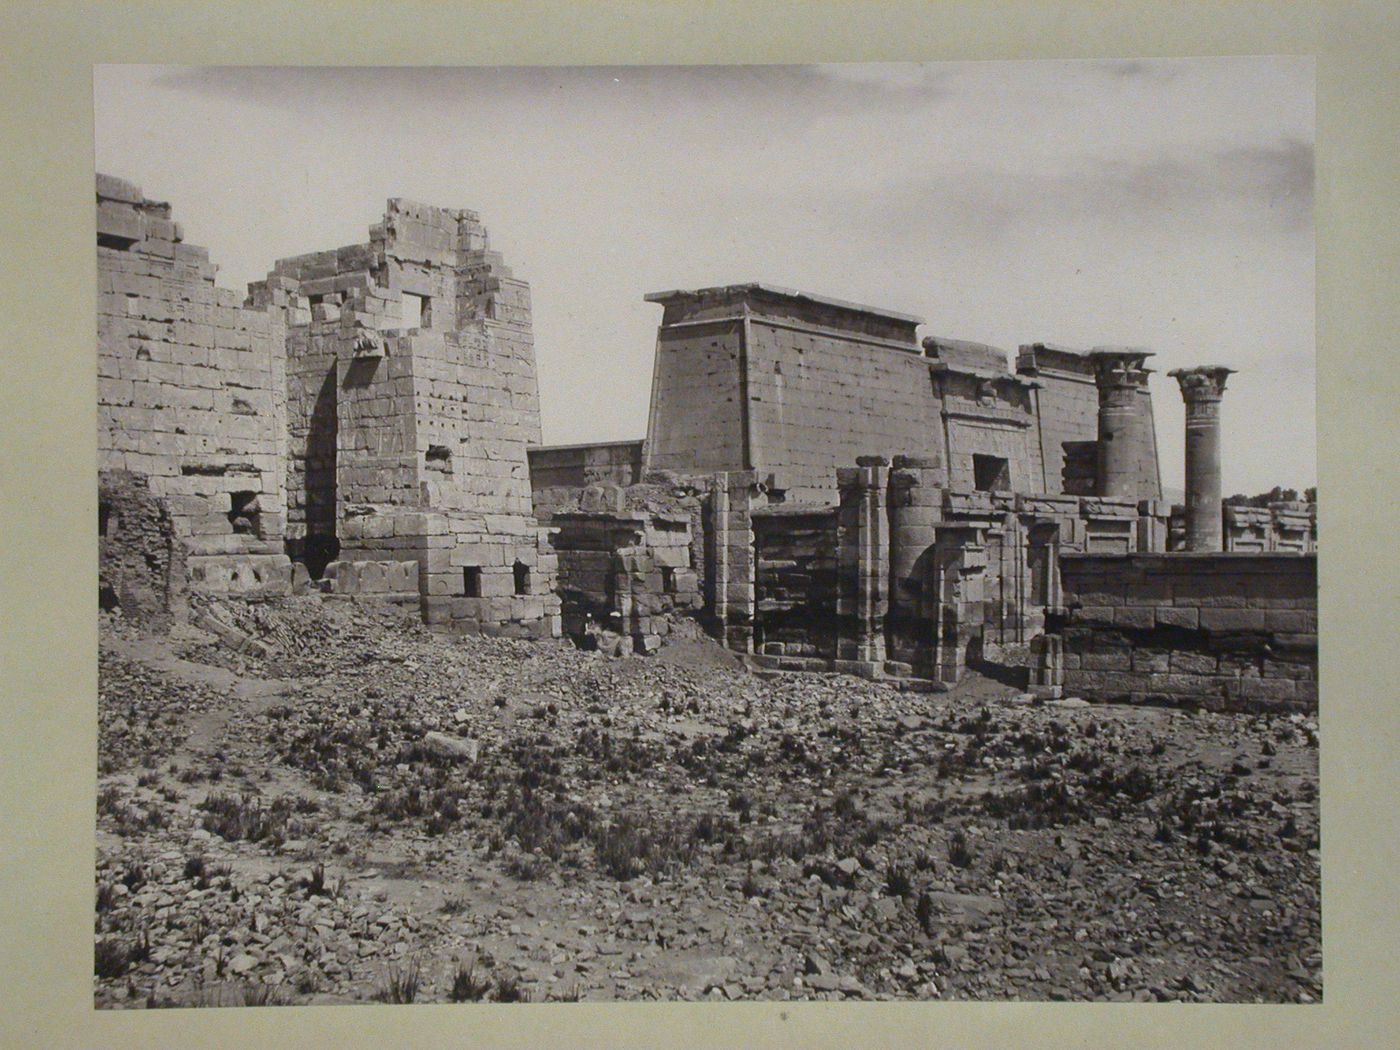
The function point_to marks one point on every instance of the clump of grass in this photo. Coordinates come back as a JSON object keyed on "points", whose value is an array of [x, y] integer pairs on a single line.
{"points": [[960, 853], [400, 986], [897, 881], [525, 866], [467, 987], [317, 885], [111, 958], [235, 817], [923, 912], [509, 989], [261, 995]]}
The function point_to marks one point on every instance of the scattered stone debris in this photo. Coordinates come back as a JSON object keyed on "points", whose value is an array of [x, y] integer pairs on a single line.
{"points": [[354, 801]]}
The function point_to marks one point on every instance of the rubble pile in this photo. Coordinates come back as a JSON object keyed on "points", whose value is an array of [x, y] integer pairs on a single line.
{"points": [[509, 820]]}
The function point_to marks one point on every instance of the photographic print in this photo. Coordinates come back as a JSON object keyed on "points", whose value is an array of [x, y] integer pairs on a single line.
{"points": [[835, 532]]}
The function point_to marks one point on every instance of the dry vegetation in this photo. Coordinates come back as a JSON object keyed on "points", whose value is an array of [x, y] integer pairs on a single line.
{"points": [[309, 825]]}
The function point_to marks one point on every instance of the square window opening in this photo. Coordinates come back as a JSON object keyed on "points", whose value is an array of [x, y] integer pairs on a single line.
{"points": [[417, 310], [991, 474], [244, 514]]}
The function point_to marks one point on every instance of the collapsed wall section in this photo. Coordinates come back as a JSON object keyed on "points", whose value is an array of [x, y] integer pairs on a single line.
{"points": [[191, 395], [631, 562]]}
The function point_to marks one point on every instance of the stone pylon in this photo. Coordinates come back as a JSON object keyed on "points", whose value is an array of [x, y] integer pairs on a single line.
{"points": [[1121, 375], [1201, 389]]}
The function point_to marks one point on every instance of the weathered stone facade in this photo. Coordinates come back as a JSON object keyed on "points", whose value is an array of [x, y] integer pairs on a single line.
{"points": [[367, 410], [818, 487], [1222, 631], [795, 386], [941, 546], [191, 394]]}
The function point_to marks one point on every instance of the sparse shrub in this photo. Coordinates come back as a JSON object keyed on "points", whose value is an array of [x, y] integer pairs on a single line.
{"points": [[467, 987], [897, 881], [525, 866], [235, 817], [261, 995], [923, 912], [400, 985], [111, 958], [960, 853], [509, 989], [316, 884]]}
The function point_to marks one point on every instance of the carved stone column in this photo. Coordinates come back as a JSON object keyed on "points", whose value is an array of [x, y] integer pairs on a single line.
{"points": [[1201, 388], [1120, 374]]}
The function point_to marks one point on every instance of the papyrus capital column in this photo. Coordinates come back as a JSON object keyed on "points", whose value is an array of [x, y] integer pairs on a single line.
{"points": [[1121, 375], [1201, 389]]}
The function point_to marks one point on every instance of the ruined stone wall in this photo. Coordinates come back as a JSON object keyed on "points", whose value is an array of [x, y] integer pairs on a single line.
{"points": [[140, 561], [794, 386], [1067, 407], [990, 419], [1285, 527], [1231, 632], [698, 421], [191, 393], [413, 400], [577, 466], [631, 561]]}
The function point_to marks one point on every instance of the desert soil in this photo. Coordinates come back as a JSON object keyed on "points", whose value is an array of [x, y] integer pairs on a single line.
{"points": [[281, 827]]}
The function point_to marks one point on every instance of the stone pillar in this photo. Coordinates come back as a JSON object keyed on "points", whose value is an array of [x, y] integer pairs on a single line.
{"points": [[1201, 388], [1121, 376], [916, 509], [959, 571], [731, 567], [863, 564]]}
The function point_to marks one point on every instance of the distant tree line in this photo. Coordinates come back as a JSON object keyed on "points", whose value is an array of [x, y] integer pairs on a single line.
{"points": [[1274, 495]]}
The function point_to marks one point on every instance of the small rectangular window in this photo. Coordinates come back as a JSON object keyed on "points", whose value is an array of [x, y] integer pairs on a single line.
{"points": [[112, 241], [471, 581], [991, 474], [417, 310], [522, 578], [244, 514]]}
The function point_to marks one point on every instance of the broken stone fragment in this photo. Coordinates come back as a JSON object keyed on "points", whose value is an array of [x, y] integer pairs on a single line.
{"points": [[451, 746]]}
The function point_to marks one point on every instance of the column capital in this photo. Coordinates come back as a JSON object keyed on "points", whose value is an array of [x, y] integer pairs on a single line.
{"points": [[1122, 367], [1202, 383]]}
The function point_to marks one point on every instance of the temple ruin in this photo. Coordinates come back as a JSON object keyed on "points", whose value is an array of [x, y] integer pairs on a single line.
{"points": [[818, 487]]}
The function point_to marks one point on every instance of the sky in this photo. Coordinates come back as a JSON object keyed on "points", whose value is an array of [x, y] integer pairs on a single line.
{"points": [[1162, 204]]}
